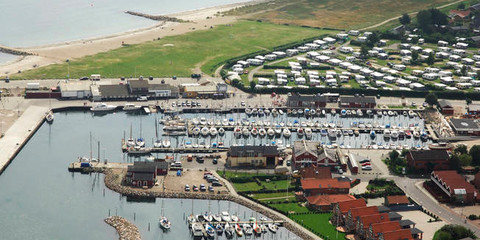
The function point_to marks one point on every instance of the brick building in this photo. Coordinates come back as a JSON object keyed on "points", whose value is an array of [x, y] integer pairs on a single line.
{"points": [[325, 203], [307, 153], [455, 187], [357, 102], [427, 160], [313, 186], [340, 210]]}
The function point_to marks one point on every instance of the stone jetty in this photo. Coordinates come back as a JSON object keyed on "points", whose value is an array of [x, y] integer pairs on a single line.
{"points": [[125, 229], [155, 17], [14, 51], [113, 182]]}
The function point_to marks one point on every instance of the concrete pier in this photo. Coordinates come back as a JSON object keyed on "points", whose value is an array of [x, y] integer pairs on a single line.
{"points": [[19, 134]]}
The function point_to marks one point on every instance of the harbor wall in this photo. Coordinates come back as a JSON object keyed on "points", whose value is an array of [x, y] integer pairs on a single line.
{"points": [[125, 229]]}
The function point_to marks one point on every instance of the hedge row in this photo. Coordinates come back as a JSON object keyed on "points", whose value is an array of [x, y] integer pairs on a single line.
{"points": [[245, 179], [305, 67]]}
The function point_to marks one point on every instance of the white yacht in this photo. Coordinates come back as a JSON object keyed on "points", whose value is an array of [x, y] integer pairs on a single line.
{"points": [[131, 107], [102, 107]]}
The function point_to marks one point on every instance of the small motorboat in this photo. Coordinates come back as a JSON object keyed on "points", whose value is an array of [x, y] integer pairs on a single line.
{"points": [[210, 231], [219, 229], [245, 132], [238, 230], [196, 131], [205, 131], [394, 134], [130, 142], [273, 227], [300, 132], [229, 230], [343, 112], [256, 229], [166, 143], [323, 132], [140, 142], [49, 117], [248, 111], [165, 223], [247, 229], [286, 133], [408, 134], [254, 132], [234, 218], [386, 133], [197, 230], [131, 107], [213, 131], [379, 113], [333, 112], [237, 132], [217, 218], [157, 143], [270, 132], [102, 107], [221, 131], [372, 134], [226, 216], [280, 111], [416, 134], [308, 133]]}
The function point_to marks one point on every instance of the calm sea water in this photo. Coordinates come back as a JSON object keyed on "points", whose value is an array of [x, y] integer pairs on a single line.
{"points": [[6, 57], [32, 23], [40, 199]]}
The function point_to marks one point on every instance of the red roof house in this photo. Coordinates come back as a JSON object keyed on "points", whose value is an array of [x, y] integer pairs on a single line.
{"points": [[324, 186], [354, 214], [376, 228], [396, 200], [365, 221], [341, 209], [403, 234], [327, 202], [455, 186]]}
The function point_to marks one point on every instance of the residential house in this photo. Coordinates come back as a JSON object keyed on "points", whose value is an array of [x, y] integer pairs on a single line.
{"points": [[316, 172], [357, 102], [312, 186], [396, 200], [402, 234], [377, 228], [364, 222], [340, 210], [354, 214], [455, 187], [252, 156], [325, 203], [459, 15], [141, 174], [428, 160]]}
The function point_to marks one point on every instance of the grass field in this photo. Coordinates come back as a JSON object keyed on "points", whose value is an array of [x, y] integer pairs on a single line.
{"points": [[253, 186], [180, 55], [319, 223], [290, 207], [340, 14]]}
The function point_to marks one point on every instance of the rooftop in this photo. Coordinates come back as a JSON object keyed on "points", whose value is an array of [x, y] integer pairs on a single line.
{"points": [[301, 147], [362, 211], [138, 83], [239, 151], [474, 107], [316, 172], [385, 227], [397, 199], [322, 200], [453, 181], [429, 155], [367, 220], [353, 99], [345, 206], [464, 124], [312, 183], [113, 90], [143, 177], [402, 234], [444, 104]]}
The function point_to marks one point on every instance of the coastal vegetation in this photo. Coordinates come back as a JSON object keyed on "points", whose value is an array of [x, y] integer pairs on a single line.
{"points": [[179, 55], [451, 232], [340, 14]]}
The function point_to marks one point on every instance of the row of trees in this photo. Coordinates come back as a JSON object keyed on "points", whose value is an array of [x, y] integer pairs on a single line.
{"points": [[453, 232], [463, 157]]}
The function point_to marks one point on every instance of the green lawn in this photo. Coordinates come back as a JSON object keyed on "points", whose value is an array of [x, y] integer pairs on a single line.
{"points": [[290, 207], [253, 186], [272, 195], [180, 55], [319, 224], [248, 186]]}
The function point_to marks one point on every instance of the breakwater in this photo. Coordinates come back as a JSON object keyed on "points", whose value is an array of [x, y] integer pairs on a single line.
{"points": [[113, 182], [125, 229], [155, 17], [14, 51]]}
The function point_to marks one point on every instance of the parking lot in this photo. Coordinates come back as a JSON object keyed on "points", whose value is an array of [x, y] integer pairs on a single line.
{"points": [[192, 177]]}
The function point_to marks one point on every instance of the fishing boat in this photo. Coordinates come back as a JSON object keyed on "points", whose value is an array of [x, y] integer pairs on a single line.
{"points": [[102, 107], [229, 230], [221, 131], [166, 143], [213, 131], [245, 132], [165, 223], [197, 230], [286, 133], [273, 227], [372, 134], [247, 229], [238, 230], [270, 132], [256, 229], [131, 107], [300, 132], [209, 230]]}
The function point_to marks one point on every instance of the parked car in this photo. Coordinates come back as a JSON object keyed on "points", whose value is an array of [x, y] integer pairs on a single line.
{"points": [[364, 161], [195, 188], [289, 163], [202, 187], [187, 188], [84, 78], [200, 159], [367, 168], [216, 184], [215, 161], [366, 164], [150, 78], [210, 188], [340, 171], [142, 98], [212, 179]]}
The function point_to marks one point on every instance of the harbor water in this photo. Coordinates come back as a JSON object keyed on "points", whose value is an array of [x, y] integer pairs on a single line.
{"points": [[29, 23], [42, 200]]}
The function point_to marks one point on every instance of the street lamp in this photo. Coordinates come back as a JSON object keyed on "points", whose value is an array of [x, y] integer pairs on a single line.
{"points": [[68, 69]]}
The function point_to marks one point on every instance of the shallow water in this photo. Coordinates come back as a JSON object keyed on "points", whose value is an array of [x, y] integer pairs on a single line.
{"points": [[32, 23], [40, 199], [6, 57]]}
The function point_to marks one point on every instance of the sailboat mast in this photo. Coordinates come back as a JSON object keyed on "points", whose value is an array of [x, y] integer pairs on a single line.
{"points": [[91, 146]]}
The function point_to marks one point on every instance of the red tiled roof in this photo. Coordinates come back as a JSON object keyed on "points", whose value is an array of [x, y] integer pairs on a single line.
{"points": [[322, 200], [385, 227], [453, 180], [319, 172], [460, 13], [403, 234], [344, 206], [367, 220], [397, 199], [362, 211], [313, 183]]}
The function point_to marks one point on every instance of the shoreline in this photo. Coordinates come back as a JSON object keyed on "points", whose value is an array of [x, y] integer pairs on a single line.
{"points": [[199, 19]]}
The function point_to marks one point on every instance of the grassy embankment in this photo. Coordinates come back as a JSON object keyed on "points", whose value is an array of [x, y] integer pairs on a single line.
{"points": [[179, 55]]}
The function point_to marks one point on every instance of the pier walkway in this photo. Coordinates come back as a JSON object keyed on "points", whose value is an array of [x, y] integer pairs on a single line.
{"points": [[19, 133]]}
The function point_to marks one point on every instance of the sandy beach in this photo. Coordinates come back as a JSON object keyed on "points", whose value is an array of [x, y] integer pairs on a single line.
{"points": [[200, 19]]}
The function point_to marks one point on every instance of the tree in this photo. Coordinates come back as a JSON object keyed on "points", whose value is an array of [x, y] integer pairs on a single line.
{"points": [[405, 19], [463, 71], [461, 149], [465, 160], [393, 155], [424, 19], [430, 59], [431, 99], [252, 85], [453, 232], [364, 52], [454, 162], [475, 154], [461, 6], [372, 39], [468, 100], [414, 56]]}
